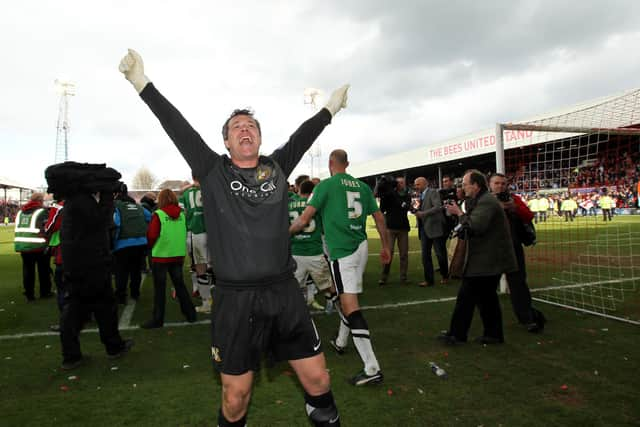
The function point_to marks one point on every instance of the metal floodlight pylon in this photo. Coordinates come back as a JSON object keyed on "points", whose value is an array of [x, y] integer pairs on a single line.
{"points": [[63, 130], [312, 97]]}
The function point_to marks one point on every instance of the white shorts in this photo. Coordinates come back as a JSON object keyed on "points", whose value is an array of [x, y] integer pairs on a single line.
{"points": [[197, 246], [317, 267], [347, 272]]}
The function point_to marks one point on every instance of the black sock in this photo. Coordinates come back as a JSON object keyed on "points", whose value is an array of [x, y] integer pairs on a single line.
{"points": [[322, 410], [223, 422]]}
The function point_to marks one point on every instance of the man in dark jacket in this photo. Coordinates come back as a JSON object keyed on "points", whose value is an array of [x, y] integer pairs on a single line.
{"points": [[394, 204], [486, 231], [129, 244], [86, 260], [518, 214], [88, 190]]}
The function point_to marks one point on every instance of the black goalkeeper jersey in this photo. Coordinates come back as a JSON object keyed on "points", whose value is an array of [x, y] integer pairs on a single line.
{"points": [[246, 210]]}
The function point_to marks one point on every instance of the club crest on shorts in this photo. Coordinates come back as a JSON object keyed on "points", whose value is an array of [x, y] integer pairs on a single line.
{"points": [[215, 353]]}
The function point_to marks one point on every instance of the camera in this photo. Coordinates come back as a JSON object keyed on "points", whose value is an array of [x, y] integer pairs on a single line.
{"points": [[385, 186], [504, 196], [448, 195]]}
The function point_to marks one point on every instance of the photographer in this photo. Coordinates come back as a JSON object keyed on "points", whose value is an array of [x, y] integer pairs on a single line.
{"points": [[518, 215], [448, 194], [486, 234], [395, 202], [88, 191]]}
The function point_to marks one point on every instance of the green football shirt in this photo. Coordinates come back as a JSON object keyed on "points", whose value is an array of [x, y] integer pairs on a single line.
{"points": [[192, 202], [309, 241], [343, 203]]}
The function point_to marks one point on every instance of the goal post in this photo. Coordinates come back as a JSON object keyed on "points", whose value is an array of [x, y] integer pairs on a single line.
{"points": [[574, 164]]}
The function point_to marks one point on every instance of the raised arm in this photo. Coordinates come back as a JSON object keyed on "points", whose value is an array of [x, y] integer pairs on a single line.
{"points": [[194, 150], [289, 154]]}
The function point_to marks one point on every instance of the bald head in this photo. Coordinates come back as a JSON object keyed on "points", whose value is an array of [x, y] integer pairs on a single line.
{"points": [[420, 184], [340, 157], [338, 161]]}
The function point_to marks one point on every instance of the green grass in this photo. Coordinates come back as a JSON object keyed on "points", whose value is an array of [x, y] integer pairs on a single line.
{"points": [[167, 378]]}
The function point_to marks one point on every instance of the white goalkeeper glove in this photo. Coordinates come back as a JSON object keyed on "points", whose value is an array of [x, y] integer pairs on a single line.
{"points": [[133, 69], [338, 100]]}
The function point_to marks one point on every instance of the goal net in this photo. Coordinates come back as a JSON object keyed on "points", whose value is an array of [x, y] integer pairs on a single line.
{"points": [[580, 177]]}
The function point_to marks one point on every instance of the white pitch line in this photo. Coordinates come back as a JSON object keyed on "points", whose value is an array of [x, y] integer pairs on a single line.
{"points": [[315, 313], [207, 321], [127, 313]]}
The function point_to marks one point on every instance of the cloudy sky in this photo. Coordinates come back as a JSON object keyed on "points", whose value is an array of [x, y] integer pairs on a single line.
{"points": [[420, 71]]}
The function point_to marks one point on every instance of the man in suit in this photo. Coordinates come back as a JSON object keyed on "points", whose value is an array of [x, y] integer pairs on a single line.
{"points": [[431, 231]]}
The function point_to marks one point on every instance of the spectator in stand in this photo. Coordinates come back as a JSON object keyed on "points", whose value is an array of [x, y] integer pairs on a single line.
{"points": [[166, 237], [30, 240]]}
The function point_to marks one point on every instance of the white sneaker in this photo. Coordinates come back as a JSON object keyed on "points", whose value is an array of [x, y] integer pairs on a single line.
{"points": [[205, 307]]}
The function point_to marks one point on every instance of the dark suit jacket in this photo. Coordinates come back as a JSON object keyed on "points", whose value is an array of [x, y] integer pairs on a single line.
{"points": [[489, 246], [433, 220]]}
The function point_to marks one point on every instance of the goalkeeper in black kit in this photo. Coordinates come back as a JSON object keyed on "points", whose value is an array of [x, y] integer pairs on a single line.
{"points": [[258, 308]]}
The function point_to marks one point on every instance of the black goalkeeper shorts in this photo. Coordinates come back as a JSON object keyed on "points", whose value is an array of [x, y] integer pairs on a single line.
{"points": [[248, 323]]}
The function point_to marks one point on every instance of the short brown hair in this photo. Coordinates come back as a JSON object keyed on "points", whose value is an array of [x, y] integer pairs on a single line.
{"points": [[167, 197], [239, 112], [37, 197]]}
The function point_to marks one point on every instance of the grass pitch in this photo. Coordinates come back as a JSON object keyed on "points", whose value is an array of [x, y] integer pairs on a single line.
{"points": [[582, 371]]}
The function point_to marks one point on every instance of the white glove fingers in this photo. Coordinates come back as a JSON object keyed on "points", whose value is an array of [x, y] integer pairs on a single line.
{"points": [[132, 67], [338, 99], [123, 67]]}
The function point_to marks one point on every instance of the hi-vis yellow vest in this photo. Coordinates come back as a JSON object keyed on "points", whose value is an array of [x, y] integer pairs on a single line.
{"points": [[27, 234]]}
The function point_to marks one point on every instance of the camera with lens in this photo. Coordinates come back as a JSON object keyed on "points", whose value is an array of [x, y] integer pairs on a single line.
{"points": [[448, 196], [504, 196], [385, 186]]}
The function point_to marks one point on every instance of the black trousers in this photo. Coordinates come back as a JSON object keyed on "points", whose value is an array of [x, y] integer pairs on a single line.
{"points": [[174, 269], [58, 278], [127, 267], [87, 293], [439, 244], [480, 292], [519, 290], [31, 260]]}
